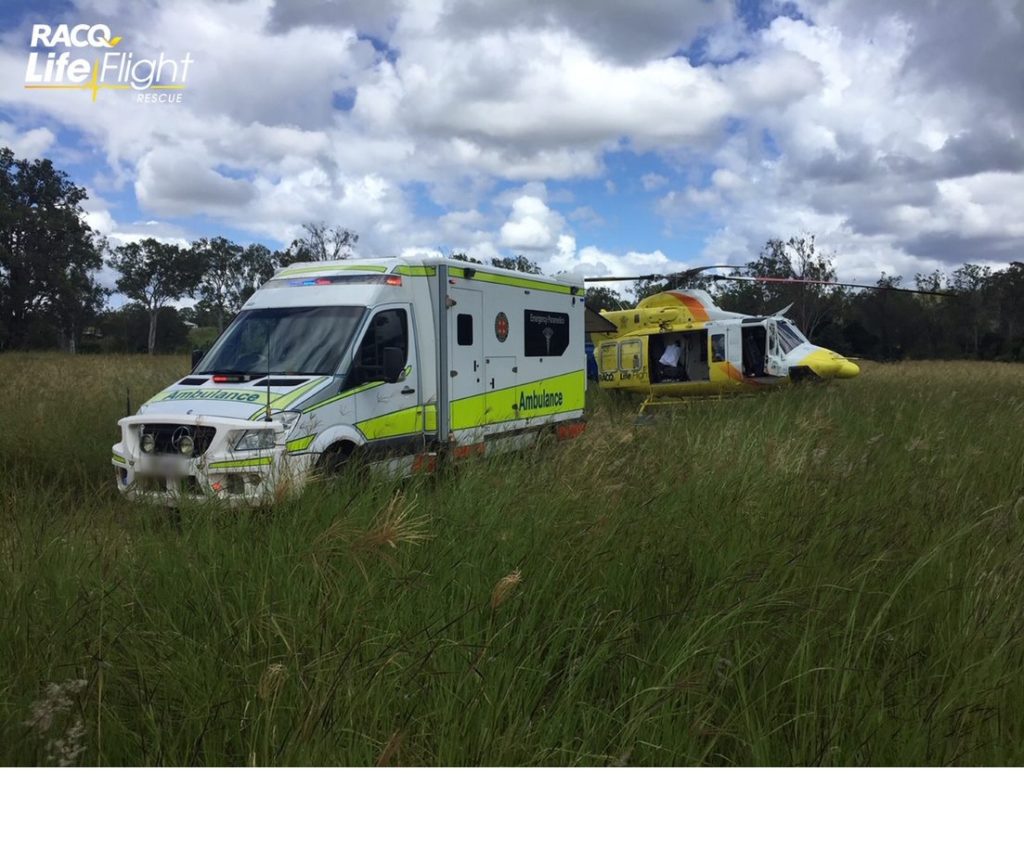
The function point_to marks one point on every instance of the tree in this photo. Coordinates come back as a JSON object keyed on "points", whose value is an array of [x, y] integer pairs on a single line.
{"points": [[154, 273], [516, 263], [968, 282], [512, 263], [1007, 300], [645, 288], [795, 259], [231, 274], [75, 298], [604, 298], [126, 330], [220, 267], [256, 266], [47, 253], [884, 316], [321, 244]]}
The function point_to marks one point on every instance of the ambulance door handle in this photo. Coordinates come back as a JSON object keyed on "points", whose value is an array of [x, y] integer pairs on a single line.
{"points": [[492, 383], [408, 390], [476, 365]]}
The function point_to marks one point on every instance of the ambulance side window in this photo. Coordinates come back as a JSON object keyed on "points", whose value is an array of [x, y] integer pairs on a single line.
{"points": [[464, 329], [718, 347], [545, 334], [388, 329]]}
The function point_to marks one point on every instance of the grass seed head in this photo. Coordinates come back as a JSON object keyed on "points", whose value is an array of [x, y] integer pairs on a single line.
{"points": [[391, 749], [398, 523], [504, 588], [64, 746], [56, 702], [66, 750], [271, 681]]}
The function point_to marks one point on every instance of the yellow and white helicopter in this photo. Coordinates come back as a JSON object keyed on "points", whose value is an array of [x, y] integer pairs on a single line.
{"points": [[678, 343]]}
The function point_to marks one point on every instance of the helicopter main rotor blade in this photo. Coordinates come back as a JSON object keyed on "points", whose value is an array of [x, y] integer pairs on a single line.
{"points": [[693, 272], [831, 283], [684, 274]]}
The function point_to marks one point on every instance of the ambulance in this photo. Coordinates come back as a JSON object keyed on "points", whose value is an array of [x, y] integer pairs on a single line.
{"points": [[398, 360]]}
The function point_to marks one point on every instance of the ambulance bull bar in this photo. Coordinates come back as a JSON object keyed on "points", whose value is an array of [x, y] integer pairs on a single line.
{"points": [[221, 472]]}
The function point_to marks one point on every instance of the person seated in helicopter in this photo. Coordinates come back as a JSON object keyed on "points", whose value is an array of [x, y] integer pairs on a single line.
{"points": [[668, 364]]}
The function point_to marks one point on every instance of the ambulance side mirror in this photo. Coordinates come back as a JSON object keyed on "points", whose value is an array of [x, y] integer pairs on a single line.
{"points": [[394, 364], [197, 355]]}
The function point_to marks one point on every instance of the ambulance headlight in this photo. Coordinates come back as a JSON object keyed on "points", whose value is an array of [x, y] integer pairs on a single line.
{"points": [[255, 440], [147, 443], [186, 446]]}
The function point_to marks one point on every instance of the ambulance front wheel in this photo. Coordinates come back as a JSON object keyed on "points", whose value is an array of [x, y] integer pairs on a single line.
{"points": [[335, 459]]}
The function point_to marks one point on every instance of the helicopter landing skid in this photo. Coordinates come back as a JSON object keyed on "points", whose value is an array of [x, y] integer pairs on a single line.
{"points": [[656, 401], [653, 402]]}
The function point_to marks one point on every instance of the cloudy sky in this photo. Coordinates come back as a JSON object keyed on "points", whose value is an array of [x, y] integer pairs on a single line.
{"points": [[590, 135]]}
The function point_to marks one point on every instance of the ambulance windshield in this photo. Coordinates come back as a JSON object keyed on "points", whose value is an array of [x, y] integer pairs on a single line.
{"points": [[297, 340]]}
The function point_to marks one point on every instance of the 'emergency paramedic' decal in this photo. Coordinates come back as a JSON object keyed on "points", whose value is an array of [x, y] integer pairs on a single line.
{"points": [[546, 334], [501, 327]]}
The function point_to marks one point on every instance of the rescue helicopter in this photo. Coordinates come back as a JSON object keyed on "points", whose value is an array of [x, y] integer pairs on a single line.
{"points": [[679, 343]]}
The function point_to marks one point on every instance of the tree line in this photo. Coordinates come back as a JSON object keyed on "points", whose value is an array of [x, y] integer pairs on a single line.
{"points": [[50, 296]]}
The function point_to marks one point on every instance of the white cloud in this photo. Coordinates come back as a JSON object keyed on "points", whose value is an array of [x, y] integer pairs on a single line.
{"points": [[586, 215], [531, 226], [176, 181], [26, 144], [627, 33], [890, 173]]}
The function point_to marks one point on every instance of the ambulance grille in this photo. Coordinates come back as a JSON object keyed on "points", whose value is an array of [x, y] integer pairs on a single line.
{"points": [[168, 435]]}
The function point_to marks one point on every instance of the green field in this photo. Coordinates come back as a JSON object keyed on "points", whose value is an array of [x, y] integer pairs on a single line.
{"points": [[829, 574]]}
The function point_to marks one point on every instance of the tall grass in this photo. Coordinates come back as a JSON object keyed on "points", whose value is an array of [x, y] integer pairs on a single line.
{"points": [[825, 575]]}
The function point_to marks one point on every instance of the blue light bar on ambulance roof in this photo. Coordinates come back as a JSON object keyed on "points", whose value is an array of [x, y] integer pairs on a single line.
{"points": [[319, 281]]}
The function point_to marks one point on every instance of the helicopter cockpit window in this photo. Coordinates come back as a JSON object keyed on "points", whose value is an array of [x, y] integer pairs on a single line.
{"points": [[789, 336], [796, 331], [718, 348]]}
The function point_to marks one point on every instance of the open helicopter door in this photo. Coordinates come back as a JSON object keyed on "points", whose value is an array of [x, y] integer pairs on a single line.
{"points": [[734, 345], [774, 363]]}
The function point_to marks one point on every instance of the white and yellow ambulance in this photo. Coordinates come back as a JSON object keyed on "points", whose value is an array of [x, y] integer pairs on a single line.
{"points": [[398, 358]]}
